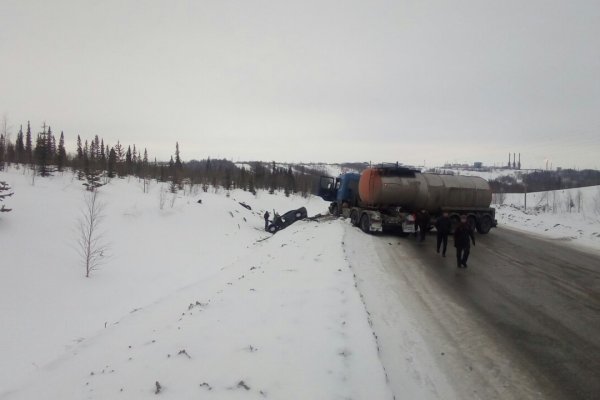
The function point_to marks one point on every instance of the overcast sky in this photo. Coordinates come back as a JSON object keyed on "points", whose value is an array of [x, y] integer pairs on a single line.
{"points": [[405, 80]]}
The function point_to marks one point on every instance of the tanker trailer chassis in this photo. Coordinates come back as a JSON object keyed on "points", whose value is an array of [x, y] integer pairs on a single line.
{"points": [[392, 220], [403, 222]]}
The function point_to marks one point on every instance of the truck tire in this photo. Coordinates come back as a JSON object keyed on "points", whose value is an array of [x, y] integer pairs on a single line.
{"points": [[472, 221], [484, 225], [454, 220], [365, 223], [354, 217], [334, 210]]}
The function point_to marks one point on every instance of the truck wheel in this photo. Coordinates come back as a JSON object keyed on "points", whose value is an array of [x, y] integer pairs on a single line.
{"points": [[354, 217], [334, 210], [365, 223], [485, 224], [472, 221], [454, 221]]}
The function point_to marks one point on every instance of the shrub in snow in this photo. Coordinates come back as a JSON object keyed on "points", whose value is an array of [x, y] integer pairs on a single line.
{"points": [[4, 193], [93, 180]]}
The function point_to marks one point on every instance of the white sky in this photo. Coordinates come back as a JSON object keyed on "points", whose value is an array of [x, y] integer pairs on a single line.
{"points": [[402, 80]]}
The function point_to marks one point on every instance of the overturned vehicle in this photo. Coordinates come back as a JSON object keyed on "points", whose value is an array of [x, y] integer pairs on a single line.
{"points": [[283, 221]]}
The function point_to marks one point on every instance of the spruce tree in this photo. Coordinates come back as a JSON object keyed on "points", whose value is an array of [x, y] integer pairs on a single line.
{"points": [[51, 143], [102, 154], [120, 153], [2, 151], [28, 145], [10, 152], [93, 177], [79, 150], [20, 147], [178, 163], [97, 148], [251, 187], [4, 190], [61, 153], [43, 156], [93, 151], [128, 161], [112, 163], [178, 167]]}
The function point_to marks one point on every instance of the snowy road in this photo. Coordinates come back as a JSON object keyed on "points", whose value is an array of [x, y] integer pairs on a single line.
{"points": [[522, 322]]}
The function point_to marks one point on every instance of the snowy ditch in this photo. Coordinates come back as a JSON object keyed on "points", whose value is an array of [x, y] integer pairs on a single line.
{"points": [[193, 303]]}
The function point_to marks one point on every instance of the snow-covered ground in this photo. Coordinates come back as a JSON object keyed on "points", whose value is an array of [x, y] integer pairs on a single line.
{"points": [[571, 214], [195, 296], [487, 175]]}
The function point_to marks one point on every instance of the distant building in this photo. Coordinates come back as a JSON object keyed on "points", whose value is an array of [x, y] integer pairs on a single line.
{"points": [[477, 165]]}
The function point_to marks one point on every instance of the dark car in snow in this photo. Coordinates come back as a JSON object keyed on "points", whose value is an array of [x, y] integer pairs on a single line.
{"points": [[285, 220]]}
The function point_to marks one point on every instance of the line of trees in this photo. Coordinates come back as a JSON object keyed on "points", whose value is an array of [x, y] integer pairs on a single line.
{"points": [[540, 181], [94, 160]]}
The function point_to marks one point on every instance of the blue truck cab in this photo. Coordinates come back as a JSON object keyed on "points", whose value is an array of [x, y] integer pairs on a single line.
{"points": [[342, 191]]}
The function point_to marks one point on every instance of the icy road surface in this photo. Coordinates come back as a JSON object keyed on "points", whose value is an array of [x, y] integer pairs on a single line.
{"points": [[522, 322]]}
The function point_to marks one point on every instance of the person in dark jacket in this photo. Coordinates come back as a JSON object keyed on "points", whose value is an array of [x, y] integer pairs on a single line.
{"points": [[422, 222], [463, 236], [443, 226], [266, 219]]}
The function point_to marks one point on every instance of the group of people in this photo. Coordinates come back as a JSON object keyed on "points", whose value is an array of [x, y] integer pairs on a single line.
{"points": [[463, 234]]}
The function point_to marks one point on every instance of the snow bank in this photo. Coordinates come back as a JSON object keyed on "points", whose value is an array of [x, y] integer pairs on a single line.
{"points": [[569, 214], [493, 173], [195, 296]]}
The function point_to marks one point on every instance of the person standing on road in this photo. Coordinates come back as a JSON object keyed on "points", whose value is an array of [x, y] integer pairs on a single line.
{"points": [[422, 221], [443, 225], [266, 219], [463, 236]]}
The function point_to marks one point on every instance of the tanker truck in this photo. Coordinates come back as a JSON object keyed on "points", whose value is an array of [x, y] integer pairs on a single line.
{"points": [[387, 198]]}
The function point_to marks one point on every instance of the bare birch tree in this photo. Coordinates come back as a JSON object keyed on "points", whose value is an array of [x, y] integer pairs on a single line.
{"points": [[91, 245]]}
